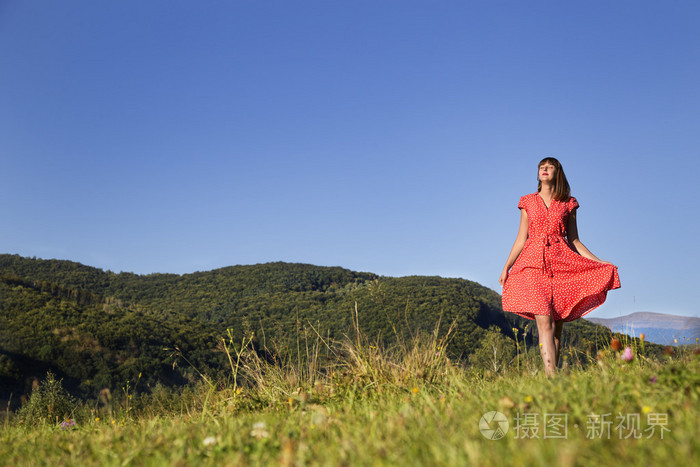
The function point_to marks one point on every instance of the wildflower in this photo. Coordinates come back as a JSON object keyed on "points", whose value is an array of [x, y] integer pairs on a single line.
{"points": [[675, 341], [68, 424], [97, 419], [259, 430], [646, 409], [540, 344], [414, 390], [615, 344], [641, 336], [627, 355], [697, 339], [528, 398], [652, 380], [209, 441]]}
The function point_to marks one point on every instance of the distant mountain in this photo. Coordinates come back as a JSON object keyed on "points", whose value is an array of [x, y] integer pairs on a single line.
{"points": [[659, 328]]}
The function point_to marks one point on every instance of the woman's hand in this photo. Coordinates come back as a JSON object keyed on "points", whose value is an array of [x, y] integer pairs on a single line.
{"points": [[518, 246], [504, 276]]}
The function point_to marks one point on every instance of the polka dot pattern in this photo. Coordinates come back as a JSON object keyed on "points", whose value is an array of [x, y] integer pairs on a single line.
{"points": [[548, 277]]}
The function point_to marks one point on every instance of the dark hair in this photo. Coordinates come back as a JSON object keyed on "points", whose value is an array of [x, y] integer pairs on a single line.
{"points": [[562, 191]]}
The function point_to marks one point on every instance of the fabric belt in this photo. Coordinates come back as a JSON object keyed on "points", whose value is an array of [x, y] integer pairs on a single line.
{"points": [[550, 248]]}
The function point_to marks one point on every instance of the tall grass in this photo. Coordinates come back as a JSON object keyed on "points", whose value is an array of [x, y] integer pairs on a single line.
{"points": [[322, 366], [354, 401]]}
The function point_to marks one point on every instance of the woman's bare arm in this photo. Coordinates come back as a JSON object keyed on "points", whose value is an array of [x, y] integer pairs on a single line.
{"points": [[517, 246], [575, 242]]}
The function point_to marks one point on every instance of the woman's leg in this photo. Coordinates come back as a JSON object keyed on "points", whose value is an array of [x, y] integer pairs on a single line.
{"points": [[546, 329], [558, 326]]}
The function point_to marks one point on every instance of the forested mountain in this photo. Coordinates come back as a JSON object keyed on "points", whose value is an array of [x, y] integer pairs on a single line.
{"points": [[98, 329]]}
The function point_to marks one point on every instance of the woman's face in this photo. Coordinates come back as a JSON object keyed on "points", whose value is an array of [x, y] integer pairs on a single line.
{"points": [[546, 172]]}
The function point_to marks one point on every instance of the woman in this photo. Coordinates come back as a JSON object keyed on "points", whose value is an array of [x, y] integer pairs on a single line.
{"points": [[550, 276]]}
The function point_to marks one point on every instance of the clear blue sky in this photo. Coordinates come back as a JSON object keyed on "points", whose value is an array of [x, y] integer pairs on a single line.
{"points": [[386, 136]]}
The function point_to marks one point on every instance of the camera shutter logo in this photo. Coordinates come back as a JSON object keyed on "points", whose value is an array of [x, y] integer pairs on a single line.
{"points": [[493, 425]]}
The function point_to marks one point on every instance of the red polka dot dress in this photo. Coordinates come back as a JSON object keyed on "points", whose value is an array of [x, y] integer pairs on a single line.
{"points": [[548, 277]]}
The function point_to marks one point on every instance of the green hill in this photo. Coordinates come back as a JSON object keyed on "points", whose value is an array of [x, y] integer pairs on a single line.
{"points": [[98, 329]]}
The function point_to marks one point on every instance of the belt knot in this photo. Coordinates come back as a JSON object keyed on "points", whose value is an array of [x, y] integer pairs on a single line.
{"points": [[549, 240]]}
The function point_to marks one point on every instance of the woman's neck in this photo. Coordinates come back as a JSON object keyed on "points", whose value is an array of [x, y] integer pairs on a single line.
{"points": [[547, 190]]}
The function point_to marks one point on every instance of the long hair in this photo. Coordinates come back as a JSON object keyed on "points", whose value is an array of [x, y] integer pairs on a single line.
{"points": [[562, 191]]}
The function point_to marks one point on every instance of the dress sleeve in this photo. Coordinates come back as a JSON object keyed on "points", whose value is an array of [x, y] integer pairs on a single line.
{"points": [[521, 203], [572, 204]]}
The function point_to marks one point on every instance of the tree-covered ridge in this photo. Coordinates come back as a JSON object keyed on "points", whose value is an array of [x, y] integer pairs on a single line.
{"points": [[99, 329], [250, 279], [94, 344]]}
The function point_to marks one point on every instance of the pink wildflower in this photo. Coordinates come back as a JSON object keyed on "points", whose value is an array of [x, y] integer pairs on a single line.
{"points": [[627, 355]]}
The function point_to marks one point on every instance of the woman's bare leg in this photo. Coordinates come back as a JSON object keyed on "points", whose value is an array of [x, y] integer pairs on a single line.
{"points": [[558, 326], [546, 330]]}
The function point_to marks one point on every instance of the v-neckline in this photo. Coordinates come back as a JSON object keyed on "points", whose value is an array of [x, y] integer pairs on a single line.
{"points": [[545, 204]]}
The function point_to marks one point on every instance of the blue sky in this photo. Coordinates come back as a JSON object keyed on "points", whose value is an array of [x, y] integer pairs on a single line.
{"points": [[387, 136]]}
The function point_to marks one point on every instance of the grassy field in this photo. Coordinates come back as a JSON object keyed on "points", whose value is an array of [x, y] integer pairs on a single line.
{"points": [[373, 406]]}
